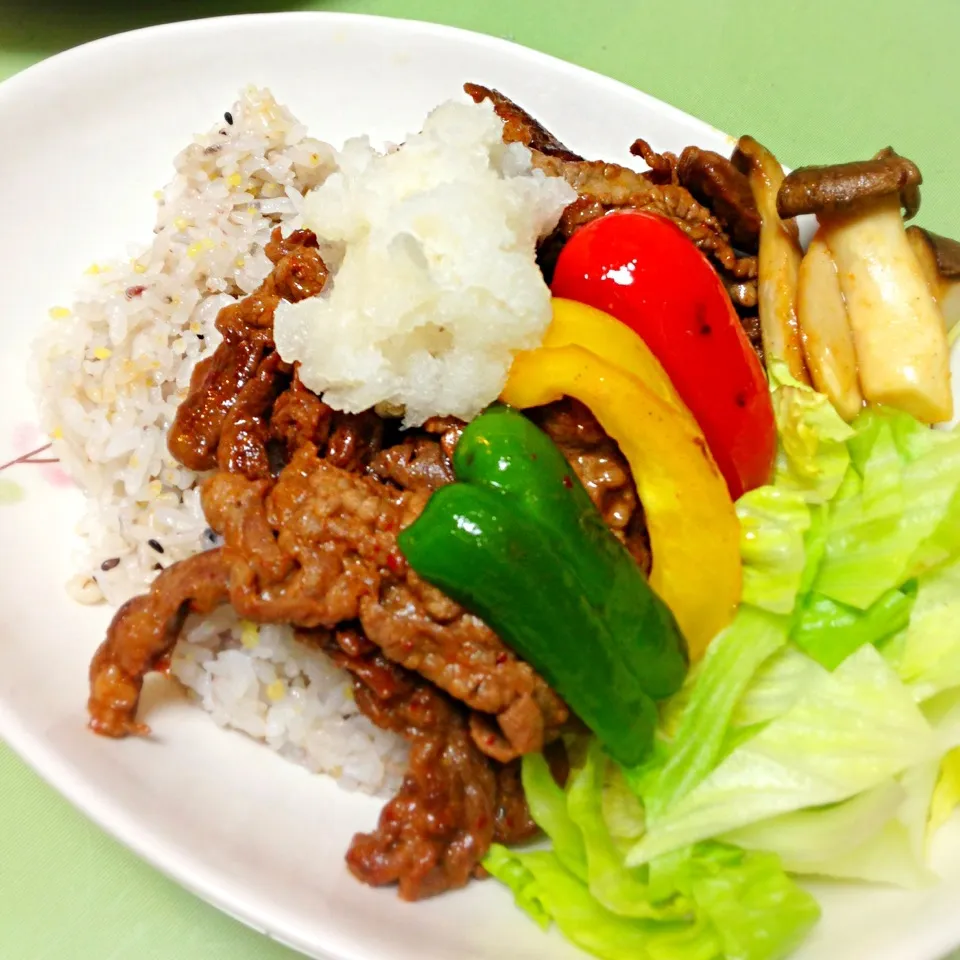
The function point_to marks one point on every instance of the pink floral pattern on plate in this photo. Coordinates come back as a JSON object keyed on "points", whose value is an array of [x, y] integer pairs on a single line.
{"points": [[28, 435]]}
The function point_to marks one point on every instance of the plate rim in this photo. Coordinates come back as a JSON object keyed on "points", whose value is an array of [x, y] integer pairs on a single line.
{"points": [[98, 804]]}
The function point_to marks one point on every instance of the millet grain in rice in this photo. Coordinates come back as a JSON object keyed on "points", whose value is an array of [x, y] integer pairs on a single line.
{"points": [[113, 369], [121, 358]]}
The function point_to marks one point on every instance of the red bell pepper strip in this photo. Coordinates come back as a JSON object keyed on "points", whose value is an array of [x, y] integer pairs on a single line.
{"points": [[642, 269]]}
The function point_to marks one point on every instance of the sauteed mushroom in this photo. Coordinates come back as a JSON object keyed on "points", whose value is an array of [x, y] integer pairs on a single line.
{"points": [[779, 259], [940, 262], [898, 330], [840, 187], [827, 340]]}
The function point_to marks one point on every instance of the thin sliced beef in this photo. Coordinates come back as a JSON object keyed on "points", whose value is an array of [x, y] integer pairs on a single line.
{"points": [[519, 126], [448, 429], [245, 434], [355, 439], [602, 187], [317, 548], [719, 185], [663, 166], [454, 801], [300, 417], [142, 634], [416, 463], [247, 329], [602, 469], [214, 386]]}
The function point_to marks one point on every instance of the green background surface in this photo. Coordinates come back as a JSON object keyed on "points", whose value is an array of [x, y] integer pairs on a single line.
{"points": [[817, 80]]}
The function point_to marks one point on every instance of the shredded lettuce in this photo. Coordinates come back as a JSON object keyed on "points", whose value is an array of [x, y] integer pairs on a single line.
{"points": [[946, 795], [545, 889], [548, 807], [773, 523], [829, 631], [848, 731], [927, 651], [780, 523], [710, 901], [622, 891], [775, 687], [876, 836], [728, 667], [820, 735], [813, 455], [755, 909], [810, 836], [847, 556], [897, 513]]}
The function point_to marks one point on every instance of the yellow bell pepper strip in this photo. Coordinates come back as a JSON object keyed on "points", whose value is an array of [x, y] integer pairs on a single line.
{"points": [[694, 531], [576, 324]]}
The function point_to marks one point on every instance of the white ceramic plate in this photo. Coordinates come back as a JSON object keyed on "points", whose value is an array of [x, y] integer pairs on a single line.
{"points": [[87, 137]]}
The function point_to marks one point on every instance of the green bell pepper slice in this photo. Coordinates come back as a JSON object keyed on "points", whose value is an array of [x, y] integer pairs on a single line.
{"points": [[518, 542]]}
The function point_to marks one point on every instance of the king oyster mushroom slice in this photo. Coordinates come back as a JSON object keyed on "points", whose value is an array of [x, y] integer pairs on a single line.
{"points": [[827, 339], [840, 187], [778, 260], [898, 329], [939, 259]]}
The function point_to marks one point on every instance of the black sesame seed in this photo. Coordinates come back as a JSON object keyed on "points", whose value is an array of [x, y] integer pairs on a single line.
{"points": [[155, 545], [200, 336], [158, 566], [110, 564], [228, 116]]}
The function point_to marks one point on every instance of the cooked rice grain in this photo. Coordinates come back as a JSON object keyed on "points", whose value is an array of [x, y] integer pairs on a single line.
{"points": [[113, 369], [120, 359]]}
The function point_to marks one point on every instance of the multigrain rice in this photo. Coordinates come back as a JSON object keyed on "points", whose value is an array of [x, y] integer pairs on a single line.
{"points": [[115, 365], [434, 289]]}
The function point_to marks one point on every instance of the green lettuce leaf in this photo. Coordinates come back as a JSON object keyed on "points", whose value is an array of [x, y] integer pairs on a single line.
{"points": [[710, 901], [896, 854], [926, 654], [946, 795], [755, 909], [621, 809], [829, 631], [543, 887], [548, 807], [707, 902], [806, 837], [742, 906], [511, 870], [621, 890], [773, 523], [848, 732], [813, 456], [897, 513], [876, 836], [775, 688], [728, 667]]}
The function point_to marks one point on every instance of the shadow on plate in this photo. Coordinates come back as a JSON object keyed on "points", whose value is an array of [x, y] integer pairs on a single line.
{"points": [[32, 31]]}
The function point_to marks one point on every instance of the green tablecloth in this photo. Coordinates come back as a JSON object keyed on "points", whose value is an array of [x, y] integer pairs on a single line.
{"points": [[817, 80]]}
